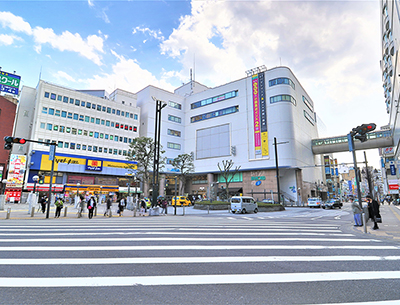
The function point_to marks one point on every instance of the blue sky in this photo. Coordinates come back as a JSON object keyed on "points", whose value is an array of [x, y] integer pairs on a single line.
{"points": [[333, 48]]}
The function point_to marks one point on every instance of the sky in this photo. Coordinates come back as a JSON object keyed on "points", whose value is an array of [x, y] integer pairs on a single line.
{"points": [[333, 48]]}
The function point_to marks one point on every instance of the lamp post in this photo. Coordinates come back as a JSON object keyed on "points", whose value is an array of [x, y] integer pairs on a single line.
{"points": [[4, 182], [277, 168], [77, 194], [35, 180], [175, 196], [156, 162]]}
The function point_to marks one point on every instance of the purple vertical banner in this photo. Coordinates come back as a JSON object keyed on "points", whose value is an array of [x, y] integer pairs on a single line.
{"points": [[256, 115]]}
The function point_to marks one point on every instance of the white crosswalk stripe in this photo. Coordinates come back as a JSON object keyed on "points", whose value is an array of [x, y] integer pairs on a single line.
{"points": [[274, 253]]}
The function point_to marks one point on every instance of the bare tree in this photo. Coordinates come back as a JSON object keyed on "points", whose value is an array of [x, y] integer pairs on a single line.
{"points": [[184, 163], [226, 173]]}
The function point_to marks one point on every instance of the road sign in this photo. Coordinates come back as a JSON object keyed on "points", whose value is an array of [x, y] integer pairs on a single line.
{"points": [[350, 140], [52, 152]]}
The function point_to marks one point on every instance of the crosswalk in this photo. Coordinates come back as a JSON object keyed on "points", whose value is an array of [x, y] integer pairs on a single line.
{"points": [[263, 260]]}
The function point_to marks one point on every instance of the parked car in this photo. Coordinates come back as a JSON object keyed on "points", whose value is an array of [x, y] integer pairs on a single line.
{"points": [[332, 203], [314, 202], [242, 204], [180, 200], [271, 201]]}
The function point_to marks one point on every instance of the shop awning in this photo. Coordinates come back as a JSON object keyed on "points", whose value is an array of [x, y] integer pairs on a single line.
{"points": [[45, 187]]}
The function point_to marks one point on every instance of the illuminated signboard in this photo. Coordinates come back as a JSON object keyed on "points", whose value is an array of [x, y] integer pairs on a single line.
{"points": [[94, 165], [9, 82]]}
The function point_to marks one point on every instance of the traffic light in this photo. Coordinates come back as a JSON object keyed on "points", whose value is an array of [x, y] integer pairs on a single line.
{"points": [[9, 141], [362, 138], [364, 128]]}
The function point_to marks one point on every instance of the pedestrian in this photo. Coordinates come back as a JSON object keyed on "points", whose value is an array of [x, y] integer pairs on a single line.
{"points": [[59, 205], [142, 207], [109, 204], [164, 205], [357, 211], [121, 206], [373, 209], [90, 206], [81, 205], [43, 203]]}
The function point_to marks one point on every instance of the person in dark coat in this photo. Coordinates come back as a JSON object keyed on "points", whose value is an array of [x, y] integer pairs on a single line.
{"points": [[373, 210], [43, 203], [91, 204], [109, 204]]}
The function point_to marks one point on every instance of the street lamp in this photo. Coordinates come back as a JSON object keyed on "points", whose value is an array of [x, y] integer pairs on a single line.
{"points": [[277, 168], [77, 189], [4, 182], [156, 162], [35, 180]]}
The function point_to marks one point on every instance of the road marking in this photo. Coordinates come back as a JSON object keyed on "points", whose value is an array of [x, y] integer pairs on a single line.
{"points": [[191, 260], [197, 247], [140, 239], [206, 279], [395, 213]]}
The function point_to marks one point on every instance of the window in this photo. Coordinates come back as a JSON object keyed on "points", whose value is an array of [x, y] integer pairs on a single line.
{"points": [[66, 145], [83, 147], [282, 98], [51, 111], [112, 124], [91, 120], [115, 151], [89, 148], [49, 126], [65, 99], [121, 126], [102, 122], [90, 133], [107, 123], [69, 116], [131, 116], [79, 131], [116, 125], [78, 146], [127, 114], [88, 105], [106, 136], [53, 96], [77, 103], [111, 137], [46, 94], [120, 152], [174, 145], [125, 140], [108, 110], [98, 121], [83, 105], [281, 80], [113, 111], [173, 118], [118, 112], [57, 113], [214, 99], [62, 129], [59, 98], [308, 104], [309, 117], [134, 128], [95, 149], [105, 150], [43, 125], [175, 133], [116, 138], [94, 106], [63, 114], [174, 105], [44, 110], [103, 109], [100, 149], [55, 128], [98, 107], [73, 131], [135, 116], [60, 144], [72, 146], [71, 100], [68, 130], [87, 119], [122, 113], [96, 135], [76, 116], [85, 133], [214, 114], [101, 135], [126, 127], [81, 118]]}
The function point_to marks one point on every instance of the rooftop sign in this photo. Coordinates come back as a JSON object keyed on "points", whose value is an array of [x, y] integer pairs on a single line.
{"points": [[9, 82]]}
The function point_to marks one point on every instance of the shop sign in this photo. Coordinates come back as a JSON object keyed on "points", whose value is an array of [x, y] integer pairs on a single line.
{"points": [[257, 178], [94, 165]]}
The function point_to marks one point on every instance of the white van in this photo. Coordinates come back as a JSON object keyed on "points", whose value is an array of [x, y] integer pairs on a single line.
{"points": [[243, 205]]}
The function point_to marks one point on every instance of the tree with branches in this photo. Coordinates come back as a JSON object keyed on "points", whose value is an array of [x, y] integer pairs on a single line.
{"points": [[226, 173], [141, 150], [183, 163]]}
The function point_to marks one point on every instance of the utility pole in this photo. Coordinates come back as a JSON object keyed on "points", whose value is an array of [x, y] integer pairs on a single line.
{"points": [[277, 168]]}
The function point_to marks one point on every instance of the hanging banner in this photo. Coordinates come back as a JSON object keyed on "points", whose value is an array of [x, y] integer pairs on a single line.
{"points": [[16, 171], [260, 115], [256, 115]]}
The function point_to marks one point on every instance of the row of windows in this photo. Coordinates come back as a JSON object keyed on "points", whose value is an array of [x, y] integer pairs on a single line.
{"points": [[281, 80], [309, 117], [92, 148], [174, 145], [214, 114], [175, 119], [174, 105], [85, 118], [282, 98], [175, 133], [308, 104], [81, 132], [90, 105], [214, 99]]}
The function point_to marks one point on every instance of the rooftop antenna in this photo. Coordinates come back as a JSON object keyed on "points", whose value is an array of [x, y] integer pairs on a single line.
{"points": [[191, 80]]}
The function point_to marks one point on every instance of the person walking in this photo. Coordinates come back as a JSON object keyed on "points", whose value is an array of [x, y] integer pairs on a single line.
{"points": [[357, 211], [90, 206], [142, 207], [43, 203], [164, 205], [108, 208], [121, 206], [373, 209], [59, 205]]}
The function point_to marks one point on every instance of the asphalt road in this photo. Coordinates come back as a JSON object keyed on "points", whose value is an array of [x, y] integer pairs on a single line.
{"points": [[299, 256]]}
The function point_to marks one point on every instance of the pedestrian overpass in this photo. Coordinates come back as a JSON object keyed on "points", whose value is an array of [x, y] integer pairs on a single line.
{"points": [[376, 139]]}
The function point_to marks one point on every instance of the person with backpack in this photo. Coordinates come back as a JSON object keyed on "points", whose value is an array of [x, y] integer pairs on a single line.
{"points": [[59, 205], [108, 208], [121, 206], [90, 206]]}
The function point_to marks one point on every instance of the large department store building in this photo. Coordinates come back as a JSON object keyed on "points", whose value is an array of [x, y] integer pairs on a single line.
{"points": [[237, 121]]}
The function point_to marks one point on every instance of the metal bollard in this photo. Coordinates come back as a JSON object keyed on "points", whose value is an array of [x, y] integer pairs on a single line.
{"points": [[364, 222], [110, 213], [8, 213], [134, 211], [32, 211], [183, 212], [95, 211], [65, 211]]}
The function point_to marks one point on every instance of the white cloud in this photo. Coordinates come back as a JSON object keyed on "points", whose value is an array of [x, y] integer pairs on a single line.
{"points": [[61, 75], [152, 33], [15, 23], [8, 39], [127, 75], [90, 3], [89, 47]]}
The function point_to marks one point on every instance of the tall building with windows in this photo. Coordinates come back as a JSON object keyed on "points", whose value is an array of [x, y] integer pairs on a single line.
{"points": [[390, 29], [92, 129], [239, 121]]}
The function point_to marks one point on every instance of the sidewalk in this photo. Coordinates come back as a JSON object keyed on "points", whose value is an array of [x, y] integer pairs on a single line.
{"points": [[390, 226]]}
